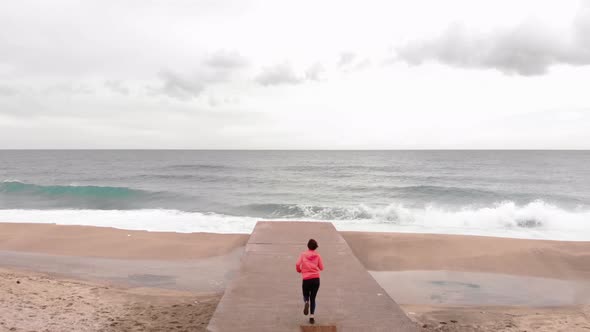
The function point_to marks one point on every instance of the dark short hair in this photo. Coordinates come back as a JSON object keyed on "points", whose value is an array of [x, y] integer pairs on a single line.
{"points": [[312, 244]]}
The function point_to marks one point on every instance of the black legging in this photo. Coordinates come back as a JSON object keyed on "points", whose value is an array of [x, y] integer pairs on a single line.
{"points": [[310, 290]]}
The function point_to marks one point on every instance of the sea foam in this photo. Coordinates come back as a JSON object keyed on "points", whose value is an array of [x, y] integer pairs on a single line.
{"points": [[536, 220]]}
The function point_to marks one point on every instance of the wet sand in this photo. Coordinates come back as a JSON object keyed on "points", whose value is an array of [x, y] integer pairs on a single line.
{"points": [[408, 252], [78, 278], [377, 251], [476, 283], [459, 288], [210, 274], [88, 241]]}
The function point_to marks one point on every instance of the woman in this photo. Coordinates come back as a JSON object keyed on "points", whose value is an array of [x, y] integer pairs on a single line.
{"points": [[309, 265]]}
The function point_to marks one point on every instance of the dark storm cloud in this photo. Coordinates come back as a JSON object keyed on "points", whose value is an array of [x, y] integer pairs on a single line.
{"points": [[528, 49], [278, 75]]}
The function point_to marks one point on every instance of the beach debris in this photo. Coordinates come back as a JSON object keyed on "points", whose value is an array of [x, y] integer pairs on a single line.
{"points": [[18, 281], [453, 321]]}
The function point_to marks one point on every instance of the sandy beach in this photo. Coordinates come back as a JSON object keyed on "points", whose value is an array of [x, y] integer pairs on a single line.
{"points": [[41, 302], [77, 278], [540, 258]]}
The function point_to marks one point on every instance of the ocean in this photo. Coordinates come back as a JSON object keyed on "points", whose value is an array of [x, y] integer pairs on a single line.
{"points": [[521, 194]]}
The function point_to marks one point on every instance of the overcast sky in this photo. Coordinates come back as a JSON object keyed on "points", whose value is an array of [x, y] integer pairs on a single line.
{"points": [[301, 74]]}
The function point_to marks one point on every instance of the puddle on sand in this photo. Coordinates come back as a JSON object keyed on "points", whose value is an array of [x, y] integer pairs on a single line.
{"points": [[199, 275], [474, 288]]}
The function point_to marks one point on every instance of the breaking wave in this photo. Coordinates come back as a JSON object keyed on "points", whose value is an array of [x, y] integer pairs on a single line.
{"points": [[535, 214], [535, 220]]}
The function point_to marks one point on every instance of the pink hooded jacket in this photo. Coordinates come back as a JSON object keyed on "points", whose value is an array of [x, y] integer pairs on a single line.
{"points": [[309, 264]]}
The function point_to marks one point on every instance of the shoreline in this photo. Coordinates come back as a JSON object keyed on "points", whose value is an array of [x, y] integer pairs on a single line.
{"points": [[377, 251]]}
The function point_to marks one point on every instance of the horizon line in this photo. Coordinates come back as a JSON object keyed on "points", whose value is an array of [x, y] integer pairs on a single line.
{"points": [[205, 149]]}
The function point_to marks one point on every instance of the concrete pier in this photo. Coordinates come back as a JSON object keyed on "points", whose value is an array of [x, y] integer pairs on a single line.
{"points": [[266, 293]]}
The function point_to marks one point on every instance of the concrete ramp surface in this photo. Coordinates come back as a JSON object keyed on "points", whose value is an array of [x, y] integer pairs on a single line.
{"points": [[266, 294]]}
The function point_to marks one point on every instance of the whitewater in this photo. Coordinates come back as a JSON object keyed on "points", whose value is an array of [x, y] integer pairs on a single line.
{"points": [[519, 194]]}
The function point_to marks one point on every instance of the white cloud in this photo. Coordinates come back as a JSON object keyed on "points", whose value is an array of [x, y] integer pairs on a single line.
{"points": [[346, 58], [179, 87], [117, 86], [226, 60], [216, 68], [528, 49], [7, 91], [197, 73], [314, 72], [278, 75], [69, 89]]}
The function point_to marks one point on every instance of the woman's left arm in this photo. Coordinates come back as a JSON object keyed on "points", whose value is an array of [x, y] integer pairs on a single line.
{"points": [[298, 265]]}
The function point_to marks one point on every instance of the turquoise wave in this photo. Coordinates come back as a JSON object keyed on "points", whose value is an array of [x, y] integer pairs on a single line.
{"points": [[16, 187]]}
